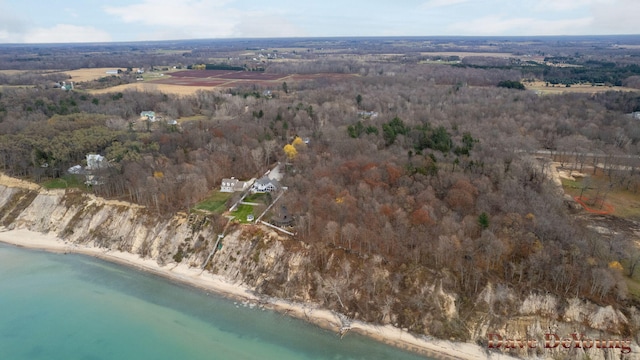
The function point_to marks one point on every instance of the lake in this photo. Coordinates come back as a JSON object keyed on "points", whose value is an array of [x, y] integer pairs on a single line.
{"points": [[56, 306]]}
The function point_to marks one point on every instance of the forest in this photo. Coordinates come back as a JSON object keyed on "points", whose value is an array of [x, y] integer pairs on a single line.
{"points": [[449, 179]]}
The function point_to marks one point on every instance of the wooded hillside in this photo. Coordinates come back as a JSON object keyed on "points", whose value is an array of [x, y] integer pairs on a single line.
{"points": [[426, 171]]}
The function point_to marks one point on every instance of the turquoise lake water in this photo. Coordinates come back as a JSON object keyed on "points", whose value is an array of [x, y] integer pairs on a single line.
{"points": [[55, 306]]}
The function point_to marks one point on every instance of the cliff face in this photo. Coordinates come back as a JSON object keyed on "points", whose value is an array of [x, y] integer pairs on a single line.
{"points": [[283, 267]]}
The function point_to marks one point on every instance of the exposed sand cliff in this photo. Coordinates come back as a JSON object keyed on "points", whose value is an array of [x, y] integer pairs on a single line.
{"points": [[249, 260]]}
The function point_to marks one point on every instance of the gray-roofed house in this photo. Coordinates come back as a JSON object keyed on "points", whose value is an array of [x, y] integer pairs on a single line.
{"points": [[264, 184]]}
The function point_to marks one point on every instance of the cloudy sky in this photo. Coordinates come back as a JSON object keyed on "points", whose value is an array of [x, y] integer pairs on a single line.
{"points": [[45, 21]]}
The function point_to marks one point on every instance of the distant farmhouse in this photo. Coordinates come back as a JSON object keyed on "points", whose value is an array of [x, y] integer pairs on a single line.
{"points": [[264, 184], [368, 114], [148, 115], [64, 86], [232, 185]]}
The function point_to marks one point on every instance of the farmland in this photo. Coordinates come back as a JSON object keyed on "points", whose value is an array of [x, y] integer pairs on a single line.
{"points": [[81, 75], [150, 86], [544, 88], [224, 78], [186, 82]]}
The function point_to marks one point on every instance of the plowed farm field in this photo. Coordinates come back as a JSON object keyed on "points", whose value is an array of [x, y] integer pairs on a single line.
{"points": [[224, 78]]}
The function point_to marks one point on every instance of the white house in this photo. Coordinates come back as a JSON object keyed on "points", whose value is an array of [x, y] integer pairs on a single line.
{"points": [[264, 184], [232, 185], [368, 114], [76, 170], [95, 162], [150, 115]]}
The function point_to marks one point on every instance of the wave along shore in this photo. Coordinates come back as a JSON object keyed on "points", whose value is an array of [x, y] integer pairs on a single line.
{"points": [[196, 277]]}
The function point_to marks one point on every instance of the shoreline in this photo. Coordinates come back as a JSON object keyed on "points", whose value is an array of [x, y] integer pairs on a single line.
{"points": [[439, 349]]}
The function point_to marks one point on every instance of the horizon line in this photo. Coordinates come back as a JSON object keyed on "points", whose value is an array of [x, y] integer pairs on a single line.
{"points": [[345, 37]]}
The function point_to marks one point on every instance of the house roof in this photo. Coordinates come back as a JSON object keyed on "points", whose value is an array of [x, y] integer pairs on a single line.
{"points": [[95, 161], [77, 169], [231, 181], [265, 181]]}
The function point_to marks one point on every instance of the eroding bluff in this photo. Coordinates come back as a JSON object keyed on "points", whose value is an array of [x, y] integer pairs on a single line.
{"points": [[281, 267]]}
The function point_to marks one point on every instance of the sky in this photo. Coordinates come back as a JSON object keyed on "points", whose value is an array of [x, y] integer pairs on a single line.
{"points": [[51, 21]]}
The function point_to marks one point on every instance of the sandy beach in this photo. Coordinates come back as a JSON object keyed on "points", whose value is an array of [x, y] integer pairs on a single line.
{"points": [[438, 349]]}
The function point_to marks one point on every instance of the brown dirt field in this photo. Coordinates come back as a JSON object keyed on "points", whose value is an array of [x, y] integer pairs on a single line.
{"points": [[184, 81], [188, 82], [540, 86], [247, 75], [180, 90], [227, 75], [201, 73]]}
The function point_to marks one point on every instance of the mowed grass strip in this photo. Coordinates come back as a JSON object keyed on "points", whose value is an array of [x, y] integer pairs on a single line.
{"points": [[65, 182], [216, 202], [241, 212]]}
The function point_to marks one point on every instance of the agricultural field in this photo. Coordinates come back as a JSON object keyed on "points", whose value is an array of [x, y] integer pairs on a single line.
{"points": [[542, 88], [187, 82], [81, 75], [463, 54], [229, 78], [152, 86]]}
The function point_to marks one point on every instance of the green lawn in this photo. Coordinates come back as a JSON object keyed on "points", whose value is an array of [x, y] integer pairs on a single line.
{"points": [[257, 197], [216, 202], [65, 182], [242, 211]]}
